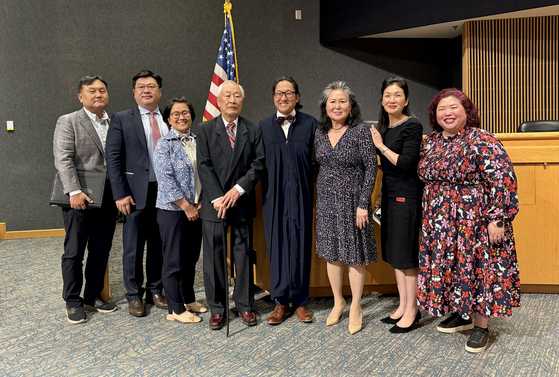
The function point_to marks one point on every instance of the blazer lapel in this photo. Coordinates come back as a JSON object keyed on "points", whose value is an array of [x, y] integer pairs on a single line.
{"points": [[222, 138], [240, 141], [136, 121], [85, 122]]}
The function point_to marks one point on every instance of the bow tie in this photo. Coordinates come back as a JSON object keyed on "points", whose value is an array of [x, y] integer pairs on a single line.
{"points": [[289, 118]]}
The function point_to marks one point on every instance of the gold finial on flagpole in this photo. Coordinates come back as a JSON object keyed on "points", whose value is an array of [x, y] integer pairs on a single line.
{"points": [[227, 6]]}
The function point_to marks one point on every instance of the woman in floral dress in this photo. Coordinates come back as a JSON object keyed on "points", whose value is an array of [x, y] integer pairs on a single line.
{"points": [[468, 263]]}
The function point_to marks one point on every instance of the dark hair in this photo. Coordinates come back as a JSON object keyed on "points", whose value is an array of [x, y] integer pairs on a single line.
{"points": [[167, 111], [147, 73], [289, 79], [354, 117], [383, 119], [472, 115], [88, 80]]}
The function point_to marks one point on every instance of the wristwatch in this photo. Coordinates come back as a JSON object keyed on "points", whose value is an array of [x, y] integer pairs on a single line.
{"points": [[499, 223], [384, 150]]}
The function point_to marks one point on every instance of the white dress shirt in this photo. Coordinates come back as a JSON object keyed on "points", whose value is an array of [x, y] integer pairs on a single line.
{"points": [[149, 136], [286, 124]]}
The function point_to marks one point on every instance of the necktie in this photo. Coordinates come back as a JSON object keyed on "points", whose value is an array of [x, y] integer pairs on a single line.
{"points": [[231, 134], [289, 118], [154, 128]]}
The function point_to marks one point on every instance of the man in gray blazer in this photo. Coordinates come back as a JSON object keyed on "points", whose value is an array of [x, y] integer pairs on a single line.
{"points": [[79, 145], [230, 154]]}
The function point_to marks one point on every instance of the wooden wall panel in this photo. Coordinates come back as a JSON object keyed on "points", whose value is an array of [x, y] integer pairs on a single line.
{"points": [[510, 70]]}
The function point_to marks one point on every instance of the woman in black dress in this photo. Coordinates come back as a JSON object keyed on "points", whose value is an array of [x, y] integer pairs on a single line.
{"points": [[398, 138]]}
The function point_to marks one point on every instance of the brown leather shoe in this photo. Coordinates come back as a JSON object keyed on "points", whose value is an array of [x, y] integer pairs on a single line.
{"points": [[136, 308], [279, 314], [158, 300], [303, 314], [248, 318], [216, 322]]}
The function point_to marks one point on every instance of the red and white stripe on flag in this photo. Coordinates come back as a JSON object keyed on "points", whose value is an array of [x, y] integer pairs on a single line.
{"points": [[212, 109], [225, 66]]}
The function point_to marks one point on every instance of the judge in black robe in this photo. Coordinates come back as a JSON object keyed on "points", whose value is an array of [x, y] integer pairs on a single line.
{"points": [[288, 200]]}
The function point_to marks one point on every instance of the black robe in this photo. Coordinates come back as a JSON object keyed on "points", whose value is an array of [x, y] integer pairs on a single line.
{"points": [[287, 198]]}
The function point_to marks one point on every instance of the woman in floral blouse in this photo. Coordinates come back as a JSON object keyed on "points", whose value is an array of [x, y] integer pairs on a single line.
{"points": [[468, 263], [178, 210]]}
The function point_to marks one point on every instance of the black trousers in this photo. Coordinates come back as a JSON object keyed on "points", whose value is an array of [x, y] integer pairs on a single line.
{"points": [[94, 229], [182, 240], [140, 227], [214, 273]]}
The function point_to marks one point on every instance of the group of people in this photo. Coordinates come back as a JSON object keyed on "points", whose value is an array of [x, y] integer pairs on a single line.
{"points": [[446, 204]]}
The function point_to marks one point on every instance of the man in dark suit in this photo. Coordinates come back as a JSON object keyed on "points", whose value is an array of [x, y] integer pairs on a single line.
{"points": [[79, 145], [130, 144], [230, 155]]}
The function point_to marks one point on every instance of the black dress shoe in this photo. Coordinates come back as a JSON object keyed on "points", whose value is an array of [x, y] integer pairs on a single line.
{"points": [[390, 321], [401, 330], [217, 321]]}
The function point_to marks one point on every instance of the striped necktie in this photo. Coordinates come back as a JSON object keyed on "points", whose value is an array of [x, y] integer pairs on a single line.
{"points": [[231, 134]]}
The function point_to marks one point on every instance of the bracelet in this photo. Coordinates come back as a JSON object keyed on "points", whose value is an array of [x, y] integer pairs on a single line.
{"points": [[384, 150]]}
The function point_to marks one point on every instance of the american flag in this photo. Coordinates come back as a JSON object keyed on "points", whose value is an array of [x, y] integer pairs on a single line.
{"points": [[225, 67]]}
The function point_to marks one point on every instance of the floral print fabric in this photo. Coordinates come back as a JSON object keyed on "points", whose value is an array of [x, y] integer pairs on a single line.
{"points": [[345, 181], [469, 183]]}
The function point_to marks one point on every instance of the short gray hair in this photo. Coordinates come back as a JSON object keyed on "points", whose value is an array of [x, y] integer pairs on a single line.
{"points": [[218, 93]]}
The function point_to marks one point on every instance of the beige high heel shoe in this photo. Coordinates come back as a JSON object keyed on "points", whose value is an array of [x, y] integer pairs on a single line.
{"points": [[332, 320], [355, 329]]}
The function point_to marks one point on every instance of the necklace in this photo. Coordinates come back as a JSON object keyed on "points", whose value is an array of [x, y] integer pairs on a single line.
{"points": [[337, 129], [397, 124]]}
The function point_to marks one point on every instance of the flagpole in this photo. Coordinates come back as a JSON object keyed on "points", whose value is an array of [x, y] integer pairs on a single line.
{"points": [[227, 9]]}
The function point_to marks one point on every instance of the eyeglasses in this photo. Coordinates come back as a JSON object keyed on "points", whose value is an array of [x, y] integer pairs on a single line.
{"points": [[141, 88], [288, 94], [176, 114]]}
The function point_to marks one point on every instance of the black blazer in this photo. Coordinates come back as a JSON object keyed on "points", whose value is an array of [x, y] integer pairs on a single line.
{"points": [[220, 169], [127, 156]]}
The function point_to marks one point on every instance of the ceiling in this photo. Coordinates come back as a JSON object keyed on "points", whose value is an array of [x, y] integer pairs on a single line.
{"points": [[454, 29]]}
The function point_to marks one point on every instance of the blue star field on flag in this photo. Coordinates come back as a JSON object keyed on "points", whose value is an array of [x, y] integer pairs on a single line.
{"points": [[226, 54]]}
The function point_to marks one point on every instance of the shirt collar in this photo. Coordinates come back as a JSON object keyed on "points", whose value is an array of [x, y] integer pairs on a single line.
{"points": [[278, 114], [145, 111], [95, 118], [236, 121]]}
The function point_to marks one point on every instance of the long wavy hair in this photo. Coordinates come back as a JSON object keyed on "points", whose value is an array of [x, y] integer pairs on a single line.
{"points": [[354, 117], [472, 114], [383, 120]]}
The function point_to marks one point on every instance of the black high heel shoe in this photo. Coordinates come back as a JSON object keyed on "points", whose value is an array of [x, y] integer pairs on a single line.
{"points": [[390, 321], [402, 330]]}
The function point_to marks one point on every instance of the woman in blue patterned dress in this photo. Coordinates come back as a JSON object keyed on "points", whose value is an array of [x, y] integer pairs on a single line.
{"points": [[468, 263], [178, 211], [348, 169]]}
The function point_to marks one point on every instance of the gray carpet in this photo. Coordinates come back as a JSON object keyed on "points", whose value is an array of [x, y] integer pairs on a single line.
{"points": [[36, 339]]}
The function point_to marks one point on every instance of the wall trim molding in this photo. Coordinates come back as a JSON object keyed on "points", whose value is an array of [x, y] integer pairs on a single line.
{"points": [[5, 235]]}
